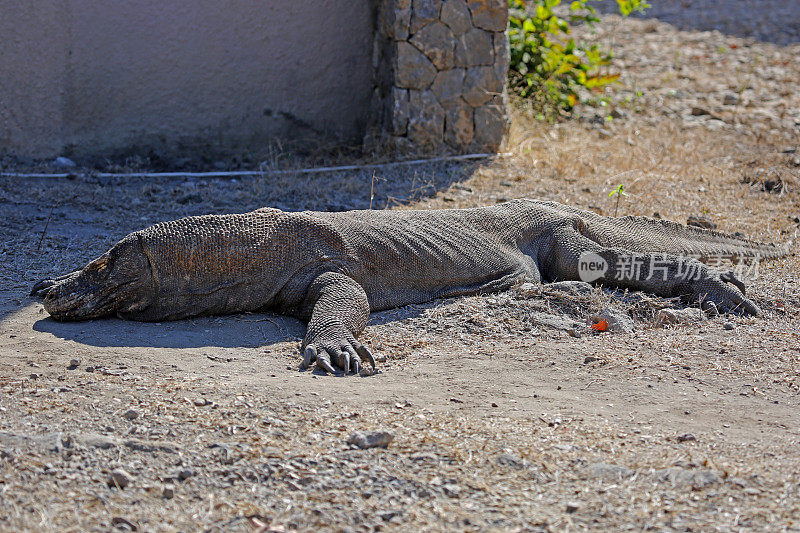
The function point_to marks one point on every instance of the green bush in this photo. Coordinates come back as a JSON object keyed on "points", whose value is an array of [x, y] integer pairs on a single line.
{"points": [[548, 68]]}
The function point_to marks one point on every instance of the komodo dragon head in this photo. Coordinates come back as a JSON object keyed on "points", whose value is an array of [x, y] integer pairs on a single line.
{"points": [[119, 281]]}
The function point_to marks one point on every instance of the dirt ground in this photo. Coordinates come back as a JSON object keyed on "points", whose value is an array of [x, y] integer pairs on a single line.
{"points": [[499, 422]]}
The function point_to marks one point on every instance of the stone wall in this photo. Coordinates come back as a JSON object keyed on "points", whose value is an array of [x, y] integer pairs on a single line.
{"points": [[441, 68]]}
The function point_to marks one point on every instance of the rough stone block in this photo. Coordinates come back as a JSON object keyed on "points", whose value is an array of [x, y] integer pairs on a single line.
{"points": [[397, 24], [455, 14], [437, 42], [480, 85], [478, 47], [502, 54], [426, 122], [459, 127], [412, 69], [448, 85], [398, 111], [491, 125], [423, 13], [489, 15]]}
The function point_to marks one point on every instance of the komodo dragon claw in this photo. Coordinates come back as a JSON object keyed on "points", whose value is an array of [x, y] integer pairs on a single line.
{"points": [[348, 358]]}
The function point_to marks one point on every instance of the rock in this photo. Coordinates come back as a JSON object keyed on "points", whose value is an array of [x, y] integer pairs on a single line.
{"points": [[426, 122], [590, 359], [63, 162], [397, 19], [436, 41], [683, 477], [448, 85], [455, 14], [572, 507], [489, 15], [372, 439], [730, 99], [509, 460], [131, 414], [475, 48], [459, 128], [700, 222], [491, 125], [74, 363], [686, 437], [185, 474], [608, 472], [423, 13], [151, 446], [689, 315], [559, 322], [168, 492], [399, 112], [480, 84], [698, 111], [119, 478], [502, 55], [413, 70], [201, 402], [618, 321], [728, 326], [451, 490], [120, 522], [94, 440]]}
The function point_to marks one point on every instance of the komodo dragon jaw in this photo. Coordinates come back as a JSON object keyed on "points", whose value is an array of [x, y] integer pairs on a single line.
{"points": [[116, 282]]}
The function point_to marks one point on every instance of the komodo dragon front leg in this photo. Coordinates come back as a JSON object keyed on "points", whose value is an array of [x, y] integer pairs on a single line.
{"points": [[662, 274], [337, 310]]}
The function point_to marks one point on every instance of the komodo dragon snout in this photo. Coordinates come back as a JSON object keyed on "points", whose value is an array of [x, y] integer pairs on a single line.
{"points": [[119, 281]]}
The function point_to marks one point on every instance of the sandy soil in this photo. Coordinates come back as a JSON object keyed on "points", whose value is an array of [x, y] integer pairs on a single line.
{"points": [[499, 422]]}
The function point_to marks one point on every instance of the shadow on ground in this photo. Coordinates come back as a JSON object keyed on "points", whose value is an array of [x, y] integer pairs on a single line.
{"points": [[237, 331]]}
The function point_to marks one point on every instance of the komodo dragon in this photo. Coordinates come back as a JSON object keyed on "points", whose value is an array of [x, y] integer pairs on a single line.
{"points": [[332, 269]]}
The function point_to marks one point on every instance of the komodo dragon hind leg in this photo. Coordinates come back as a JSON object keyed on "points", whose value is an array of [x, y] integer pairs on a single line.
{"points": [[658, 273], [338, 310]]}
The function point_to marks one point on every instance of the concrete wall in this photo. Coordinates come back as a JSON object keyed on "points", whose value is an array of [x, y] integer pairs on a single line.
{"points": [[79, 76], [218, 77]]}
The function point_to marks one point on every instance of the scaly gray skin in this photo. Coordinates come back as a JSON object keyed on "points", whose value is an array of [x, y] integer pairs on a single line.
{"points": [[332, 269]]}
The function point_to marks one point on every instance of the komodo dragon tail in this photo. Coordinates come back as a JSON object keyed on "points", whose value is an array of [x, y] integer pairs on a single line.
{"points": [[644, 234]]}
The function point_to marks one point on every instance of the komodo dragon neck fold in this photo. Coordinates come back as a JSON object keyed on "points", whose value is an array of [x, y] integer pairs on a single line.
{"points": [[332, 269]]}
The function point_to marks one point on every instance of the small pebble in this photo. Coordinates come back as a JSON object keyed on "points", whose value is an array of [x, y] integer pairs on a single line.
{"points": [[185, 474], [119, 478], [686, 437], [74, 363], [63, 162], [130, 414], [589, 359], [200, 402], [572, 507], [372, 439], [168, 493], [730, 99], [728, 326]]}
